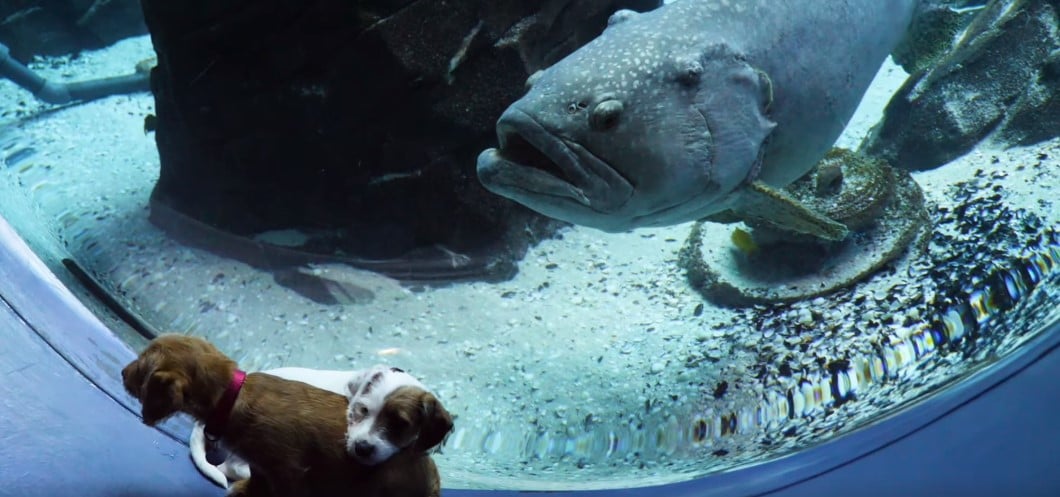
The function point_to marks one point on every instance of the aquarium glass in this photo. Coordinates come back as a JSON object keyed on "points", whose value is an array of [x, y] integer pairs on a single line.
{"points": [[596, 362]]}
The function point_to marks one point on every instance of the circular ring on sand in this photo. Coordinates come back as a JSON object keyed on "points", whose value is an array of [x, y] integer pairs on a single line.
{"points": [[769, 267]]}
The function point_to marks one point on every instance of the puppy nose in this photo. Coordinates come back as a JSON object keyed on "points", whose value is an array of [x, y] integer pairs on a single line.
{"points": [[363, 449]]}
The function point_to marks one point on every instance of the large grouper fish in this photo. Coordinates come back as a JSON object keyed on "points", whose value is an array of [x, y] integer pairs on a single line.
{"points": [[692, 109]]}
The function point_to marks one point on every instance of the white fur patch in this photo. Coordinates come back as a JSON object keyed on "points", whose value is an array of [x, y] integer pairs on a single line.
{"points": [[368, 393]]}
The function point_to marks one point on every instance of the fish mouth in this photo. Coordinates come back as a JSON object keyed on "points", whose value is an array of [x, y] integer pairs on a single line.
{"points": [[531, 162]]}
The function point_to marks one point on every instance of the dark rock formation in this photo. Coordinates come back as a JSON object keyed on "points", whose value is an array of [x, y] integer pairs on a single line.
{"points": [[1035, 116], [933, 32], [57, 27], [999, 83], [355, 123]]}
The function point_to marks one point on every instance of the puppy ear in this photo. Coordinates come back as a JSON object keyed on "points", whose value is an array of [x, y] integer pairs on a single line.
{"points": [[357, 382], [161, 396], [436, 423]]}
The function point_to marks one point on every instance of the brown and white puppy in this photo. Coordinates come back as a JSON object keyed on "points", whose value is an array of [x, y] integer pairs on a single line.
{"points": [[291, 434], [391, 411]]}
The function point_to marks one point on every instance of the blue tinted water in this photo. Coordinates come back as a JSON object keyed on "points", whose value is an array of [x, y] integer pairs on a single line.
{"points": [[597, 365]]}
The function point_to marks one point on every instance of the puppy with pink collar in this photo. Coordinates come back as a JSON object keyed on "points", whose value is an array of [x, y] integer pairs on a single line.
{"points": [[389, 410]]}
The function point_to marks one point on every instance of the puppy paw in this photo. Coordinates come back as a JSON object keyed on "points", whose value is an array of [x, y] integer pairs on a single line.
{"points": [[251, 487], [238, 489]]}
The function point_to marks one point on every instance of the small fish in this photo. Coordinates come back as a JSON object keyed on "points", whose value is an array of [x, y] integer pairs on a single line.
{"points": [[744, 241]]}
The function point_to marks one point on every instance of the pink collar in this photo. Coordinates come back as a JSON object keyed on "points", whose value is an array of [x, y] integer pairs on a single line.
{"points": [[215, 426]]}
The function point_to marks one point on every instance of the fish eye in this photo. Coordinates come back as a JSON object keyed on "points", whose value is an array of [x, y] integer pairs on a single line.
{"points": [[606, 115]]}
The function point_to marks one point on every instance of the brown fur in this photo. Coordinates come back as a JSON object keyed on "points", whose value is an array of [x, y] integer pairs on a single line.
{"points": [[291, 434], [415, 419]]}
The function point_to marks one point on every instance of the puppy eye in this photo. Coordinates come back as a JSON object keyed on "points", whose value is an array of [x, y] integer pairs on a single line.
{"points": [[398, 425], [359, 412]]}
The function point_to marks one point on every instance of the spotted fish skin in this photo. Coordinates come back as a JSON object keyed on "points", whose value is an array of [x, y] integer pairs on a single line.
{"points": [[669, 114]]}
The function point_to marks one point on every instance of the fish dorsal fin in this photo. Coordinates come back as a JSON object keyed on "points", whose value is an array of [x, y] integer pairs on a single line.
{"points": [[764, 202], [734, 98]]}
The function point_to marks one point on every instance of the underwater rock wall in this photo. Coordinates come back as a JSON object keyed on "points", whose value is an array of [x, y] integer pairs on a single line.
{"points": [[58, 27], [359, 122], [1000, 83]]}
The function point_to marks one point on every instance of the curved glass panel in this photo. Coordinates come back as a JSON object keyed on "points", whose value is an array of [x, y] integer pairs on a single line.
{"points": [[598, 360]]}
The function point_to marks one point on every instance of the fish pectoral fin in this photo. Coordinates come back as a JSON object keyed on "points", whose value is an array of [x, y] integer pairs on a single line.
{"points": [[734, 99], [763, 202]]}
